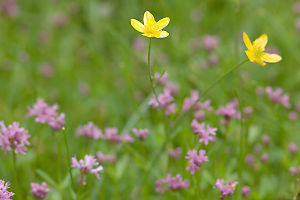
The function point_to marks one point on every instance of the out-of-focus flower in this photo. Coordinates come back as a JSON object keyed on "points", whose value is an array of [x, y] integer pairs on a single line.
{"points": [[264, 157], [59, 19], [199, 115], [230, 111], [172, 88], [195, 160], [213, 60], [164, 100], [210, 42], [111, 134], [260, 91], [141, 134], [46, 70], [189, 102], [13, 138], [293, 115], [84, 88], [225, 190], [151, 28], [296, 7], [58, 122], [248, 111], [87, 166], [90, 131], [175, 153], [47, 114], [161, 78], [256, 53], [294, 171], [297, 24], [39, 191], [10, 8], [4, 194], [266, 140], [250, 159], [246, 191], [293, 147], [276, 96], [173, 183], [205, 134], [138, 44], [105, 158]]}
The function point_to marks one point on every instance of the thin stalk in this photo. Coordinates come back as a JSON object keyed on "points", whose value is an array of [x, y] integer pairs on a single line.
{"points": [[296, 188], [14, 160], [68, 158]]}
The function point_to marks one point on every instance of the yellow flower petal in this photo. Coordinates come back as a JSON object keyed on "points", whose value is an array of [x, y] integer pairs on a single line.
{"points": [[137, 25], [148, 18], [247, 41], [250, 55], [163, 23], [261, 42], [261, 62], [271, 58], [162, 34]]}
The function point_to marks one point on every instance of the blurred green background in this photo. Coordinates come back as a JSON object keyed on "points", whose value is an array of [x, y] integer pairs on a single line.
{"points": [[85, 56]]}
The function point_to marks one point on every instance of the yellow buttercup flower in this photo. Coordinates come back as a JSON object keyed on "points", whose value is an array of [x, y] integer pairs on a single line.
{"points": [[256, 50], [151, 28]]}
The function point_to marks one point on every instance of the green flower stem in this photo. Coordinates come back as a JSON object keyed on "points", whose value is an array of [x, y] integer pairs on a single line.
{"points": [[14, 160], [68, 158], [296, 188]]}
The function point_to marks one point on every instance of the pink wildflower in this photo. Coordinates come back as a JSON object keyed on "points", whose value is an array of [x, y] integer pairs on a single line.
{"points": [[205, 134], [89, 131], [141, 134], [210, 42], [277, 97], [58, 122], [43, 112], [164, 100], [13, 138], [266, 140], [4, 194], [195, 160], [250, 159], [175, 153], [87, 166], [161, 79], [246, 191], [225, 190], [264, 157], [10, 8], [111, 134], [105, 158], [189, 102], [293, 147], [39, 191], [173, 183]]}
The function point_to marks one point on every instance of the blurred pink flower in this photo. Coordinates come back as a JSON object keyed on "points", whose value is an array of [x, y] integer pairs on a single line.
{"points": [[175, 153], [264, 157], [161, 78], [213, 60], [39, 191], [266, 140], [195, 160], [210, 42], [246, 191], [10, 8], [230, 111], [250, 159], [46, 70], [293, 147], [13, 138], [111, 134], [141, 133], [277, 96], [105, 158], [293, 115], [190, 101], [173, 183], [90, 131], [204, 133], [225, 190]]}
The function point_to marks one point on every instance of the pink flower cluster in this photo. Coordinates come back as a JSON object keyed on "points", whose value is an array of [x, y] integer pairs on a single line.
{"points": [[47, 114], [196, 160], [277, 97], [175, 153], [39, 191], [295, 170], [141, 133], [173, 183], [112, 135], [225, 190], [229, 111], [164, 101], [90, 131], [105, 158], [205, 134], [87, 166], [210, 42], [4, 194], [13, 138]]}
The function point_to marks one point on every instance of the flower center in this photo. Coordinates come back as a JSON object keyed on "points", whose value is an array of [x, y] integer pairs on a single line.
{"points": [[258, 51], [151, 28]]}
